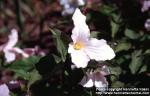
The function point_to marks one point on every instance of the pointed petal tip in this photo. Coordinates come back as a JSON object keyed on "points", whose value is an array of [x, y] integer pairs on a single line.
{"points": [[13, 34], [78, 15], [14, 31], [76, 12]]}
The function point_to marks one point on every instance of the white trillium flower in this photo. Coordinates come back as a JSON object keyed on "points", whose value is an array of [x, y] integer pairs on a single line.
{"points": [[9, 49], [4, 91], [85, 48], [96, 79]]}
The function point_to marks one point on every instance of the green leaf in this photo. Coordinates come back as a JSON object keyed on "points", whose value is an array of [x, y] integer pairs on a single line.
{"points": [[115, 70], [107, 10], [114, 29], [21, 73], [131, 34], [117, 84], [59, 44], [147, 52], [57, 58], [136, 61], [34, 76], [24, 64], [120, 60], [143, 69], [66, 73], [123, 46], [113, 78], [13, 94], [26, 8], [116, 18]]}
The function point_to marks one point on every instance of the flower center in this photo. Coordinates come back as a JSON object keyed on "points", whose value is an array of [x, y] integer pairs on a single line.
{"points": [[78, 45]]}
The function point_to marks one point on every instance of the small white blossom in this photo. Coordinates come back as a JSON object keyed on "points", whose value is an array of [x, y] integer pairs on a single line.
{"points": [[96, 78], [83, 48], [147, 24], [146, 5], [9, 49], [4, 91]]}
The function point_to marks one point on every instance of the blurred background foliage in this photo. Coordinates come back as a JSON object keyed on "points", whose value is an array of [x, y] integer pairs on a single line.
{"points": [[41, 23]]}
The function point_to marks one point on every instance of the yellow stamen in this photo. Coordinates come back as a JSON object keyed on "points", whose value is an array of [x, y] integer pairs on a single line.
{"points": [[78, 45]]}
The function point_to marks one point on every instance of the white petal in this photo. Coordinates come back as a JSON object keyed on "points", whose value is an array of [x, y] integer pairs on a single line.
{"points": [[78, 18], [98, 84], [99, 50], [78, 57], [4, 91], [87, 81], [71, 49], [81, 2], [13, 39], [100, 80], [81, 31], [9, 56], [20, 51]]}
